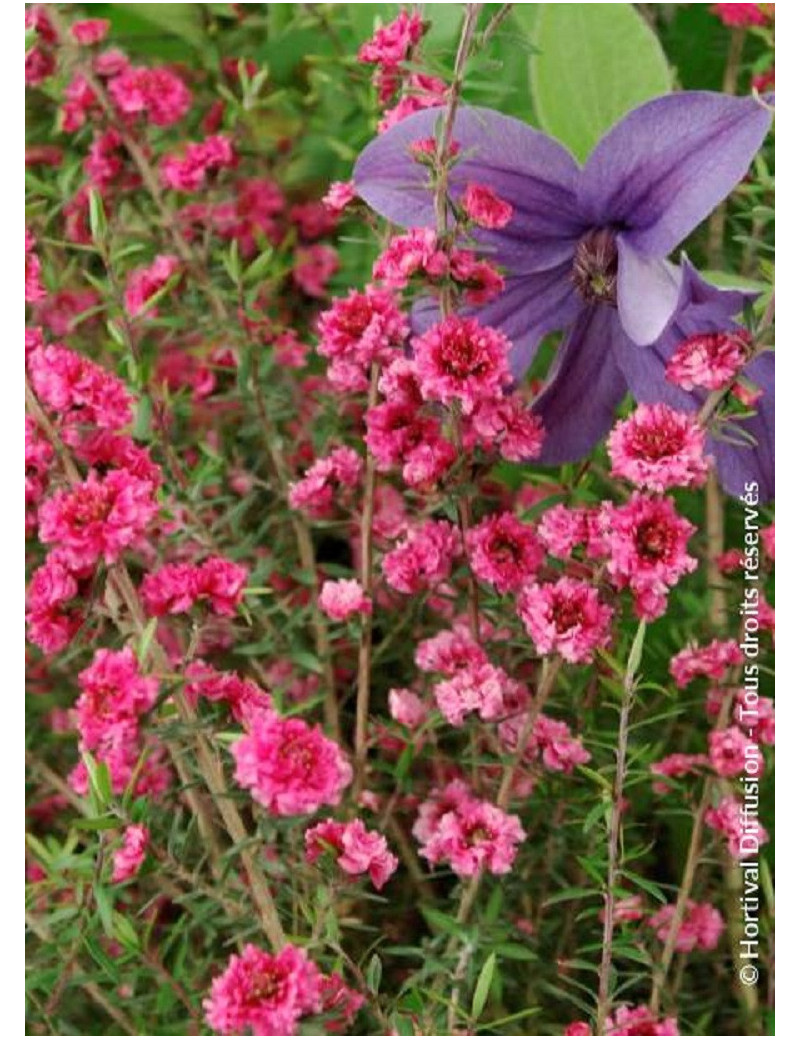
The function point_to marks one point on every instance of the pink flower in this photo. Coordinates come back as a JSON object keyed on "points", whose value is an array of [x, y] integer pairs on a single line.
{"points": [[129, 858], [158, 94], [421, 91], [448, 652], [390, 45], [51, 623], [98, 518], [406, 708], [313, 219], [485, 208], [398, 435], [114, 694], [504, 552], [90, 31], [146, 282], [415, 252], [475, 836], [34, 290], [658, 448], [176, 587], [676, 765], [314, 494], [362, 327], [423, 559], [755, 715], [339, 195], [244, 697], [263, 994], [314, 266], [343, 598], [737, 15], [709, 359], [188, 172], [480, 279], [730, 751], [700, 928], [77, 389], [640, 1021], [563, 529], [647, 542], [483, 689], [460, 360], [508, 427], [736, 822], [289, 767], [442, 800], [711, 661], [552, 739], [357, 850], [577, 1029], [565, 617], [768, 538], [627, 909]]}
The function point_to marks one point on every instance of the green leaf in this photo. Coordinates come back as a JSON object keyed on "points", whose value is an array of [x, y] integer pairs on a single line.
{"points": [[373, 974], [482, 986], [183, 20], [595, 63]]}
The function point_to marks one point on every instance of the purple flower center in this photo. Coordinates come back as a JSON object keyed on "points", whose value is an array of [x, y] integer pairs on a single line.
{"points": [[594, 269]]}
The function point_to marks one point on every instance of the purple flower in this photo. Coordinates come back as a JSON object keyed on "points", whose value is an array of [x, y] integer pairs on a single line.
{"points": [[585, 251]]}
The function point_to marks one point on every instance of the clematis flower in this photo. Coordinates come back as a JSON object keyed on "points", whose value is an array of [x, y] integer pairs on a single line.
{"points": [[585, 251]]}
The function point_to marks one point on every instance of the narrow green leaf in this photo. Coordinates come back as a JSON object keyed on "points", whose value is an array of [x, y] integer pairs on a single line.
{"points": [[481, 993]]}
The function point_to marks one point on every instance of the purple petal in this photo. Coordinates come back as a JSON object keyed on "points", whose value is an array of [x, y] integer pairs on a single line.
{"points": [[525, 167], [584, 388], [529, 307], [740, 464], [647, 293], [664, 167]]}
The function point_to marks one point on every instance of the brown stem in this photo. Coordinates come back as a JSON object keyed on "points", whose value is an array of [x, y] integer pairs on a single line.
{"points": [[716, 223], [604, 995], [365, 641]]}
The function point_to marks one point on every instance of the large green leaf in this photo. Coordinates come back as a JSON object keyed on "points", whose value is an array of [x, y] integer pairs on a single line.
{"points": [[595, 62]]}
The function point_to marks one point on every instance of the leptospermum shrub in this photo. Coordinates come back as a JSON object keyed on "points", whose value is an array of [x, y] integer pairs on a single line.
{"points": [[399, 439]]}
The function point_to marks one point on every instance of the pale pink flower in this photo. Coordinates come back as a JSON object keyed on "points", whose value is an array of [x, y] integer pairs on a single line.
{"points": [[711, 661], [339, 195], [709, 359], [129, 857], [475, 836], [508, 427], [565, 617], [244, 697], [658, 448], [357, 850], [550, 738], [448, 652], [290, 767], [263, 994], [482, 689], [736, 822], [700, 928], [342, 599], [406, 708], [676, 765]]}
